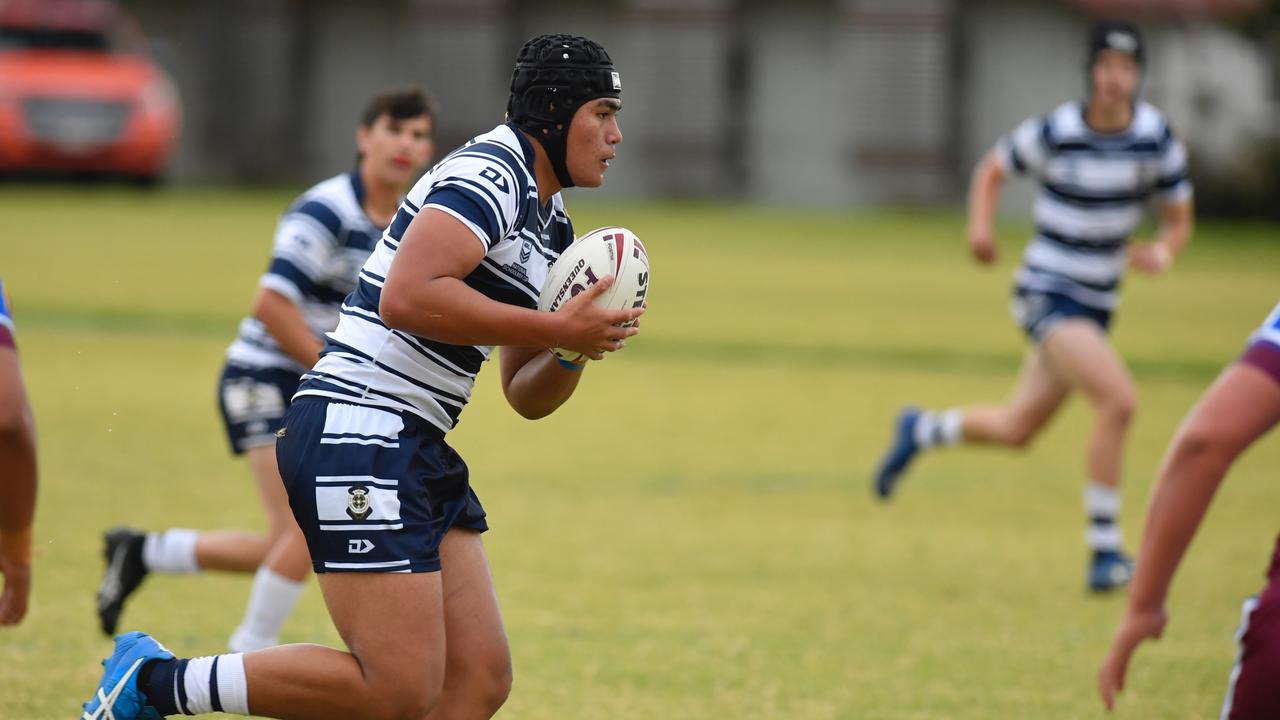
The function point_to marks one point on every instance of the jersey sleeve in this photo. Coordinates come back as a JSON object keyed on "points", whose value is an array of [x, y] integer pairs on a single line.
{"points": [[1172, 183], [482, 192], [1025, 150], [6, 319], [306, 239]]}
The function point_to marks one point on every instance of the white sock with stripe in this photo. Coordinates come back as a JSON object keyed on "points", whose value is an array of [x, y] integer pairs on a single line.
{"points": [[172, 551], [1102, 506], [939, 428], [215, 684]]}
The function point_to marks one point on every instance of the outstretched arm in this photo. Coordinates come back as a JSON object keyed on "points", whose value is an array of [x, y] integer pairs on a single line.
{"points": [[18, 486], [1237, 409]]}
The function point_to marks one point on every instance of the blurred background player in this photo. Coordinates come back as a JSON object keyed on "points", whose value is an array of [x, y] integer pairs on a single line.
{"points": [[320, 244], [1097, 162], [1240, 407], [17, 476], [391, 521]]}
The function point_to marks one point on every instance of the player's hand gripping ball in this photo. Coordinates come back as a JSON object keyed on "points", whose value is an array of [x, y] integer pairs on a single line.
{"points": [[607, 251]]}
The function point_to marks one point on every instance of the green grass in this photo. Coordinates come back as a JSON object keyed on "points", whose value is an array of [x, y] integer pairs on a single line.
{"points": [[693, 536]]}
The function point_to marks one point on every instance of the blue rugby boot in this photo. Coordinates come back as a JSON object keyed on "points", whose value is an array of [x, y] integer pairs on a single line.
{"points": [[118, 696], [895, 461], [1109, 570]]}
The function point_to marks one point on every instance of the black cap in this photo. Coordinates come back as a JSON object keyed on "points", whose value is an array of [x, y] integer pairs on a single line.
{"points": [[1115, 35], [554, 76]]}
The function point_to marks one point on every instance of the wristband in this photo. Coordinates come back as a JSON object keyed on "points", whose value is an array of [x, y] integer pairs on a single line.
{"points": [[575, 367]]}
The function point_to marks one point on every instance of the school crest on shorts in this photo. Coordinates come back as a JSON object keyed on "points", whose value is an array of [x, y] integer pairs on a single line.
{"points": [[358, 502]]}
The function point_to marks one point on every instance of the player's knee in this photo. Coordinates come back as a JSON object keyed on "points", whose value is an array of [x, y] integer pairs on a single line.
{"points": [[1118, 407], [488, 682], [495, 690], [1019, 438], [1018, 435], [406, 702]]}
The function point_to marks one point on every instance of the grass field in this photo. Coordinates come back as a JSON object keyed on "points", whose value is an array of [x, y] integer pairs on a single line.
{"points": [[693, 536]]}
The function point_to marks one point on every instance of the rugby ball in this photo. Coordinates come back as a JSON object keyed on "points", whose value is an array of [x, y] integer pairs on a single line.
{"points": [[612, 251]]}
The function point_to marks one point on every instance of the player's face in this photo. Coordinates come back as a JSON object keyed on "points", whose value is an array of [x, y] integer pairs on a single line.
{"points": [[395, 150], [1115, 77], [592, 136]]}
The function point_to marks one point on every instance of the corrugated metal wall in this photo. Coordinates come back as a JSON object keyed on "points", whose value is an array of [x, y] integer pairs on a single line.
{"points": [[809, 101]]}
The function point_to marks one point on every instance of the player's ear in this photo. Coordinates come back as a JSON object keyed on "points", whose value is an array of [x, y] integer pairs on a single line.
{"points": [[362, 139]]}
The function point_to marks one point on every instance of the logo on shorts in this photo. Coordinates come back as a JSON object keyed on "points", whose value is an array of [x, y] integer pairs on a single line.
{"points": [[359, 546], [358, 503]]}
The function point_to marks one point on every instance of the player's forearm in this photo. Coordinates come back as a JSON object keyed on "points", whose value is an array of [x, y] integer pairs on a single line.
{"points": [[1186, 486], [984, 195], [18, 472], [448, 310], [541, 386], [17, 459], [284, 321], [1175, 229]]}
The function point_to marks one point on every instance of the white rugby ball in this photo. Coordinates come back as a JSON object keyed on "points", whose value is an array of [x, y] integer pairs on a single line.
{"points": [[612, 251]]}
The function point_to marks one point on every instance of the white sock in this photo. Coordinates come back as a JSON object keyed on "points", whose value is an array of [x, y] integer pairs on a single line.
{"points": [[172, 551], [232, 689], [939, 429], [270, 602], [1102, 506]]}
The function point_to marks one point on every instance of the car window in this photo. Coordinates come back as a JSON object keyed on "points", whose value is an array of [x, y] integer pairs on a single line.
{"points": [[38, 38]]}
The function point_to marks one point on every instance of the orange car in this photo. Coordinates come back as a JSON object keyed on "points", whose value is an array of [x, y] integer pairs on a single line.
{"points": [[79, 93]]}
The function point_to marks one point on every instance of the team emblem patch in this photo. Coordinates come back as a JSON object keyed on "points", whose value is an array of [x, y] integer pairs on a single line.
{"points": [[358, 503], [526, 250]]}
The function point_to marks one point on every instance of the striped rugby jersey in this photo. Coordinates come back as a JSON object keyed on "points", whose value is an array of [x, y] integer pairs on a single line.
{"points": [[489, 185], [320, 244], [1093, 190]]}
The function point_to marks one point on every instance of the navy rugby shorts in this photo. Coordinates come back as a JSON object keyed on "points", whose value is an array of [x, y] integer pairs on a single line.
{"points": [[253, 402], [1037, 313], [373, 490]]}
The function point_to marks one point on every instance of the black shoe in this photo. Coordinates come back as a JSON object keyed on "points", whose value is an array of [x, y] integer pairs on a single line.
{"points": [[125, 572]]}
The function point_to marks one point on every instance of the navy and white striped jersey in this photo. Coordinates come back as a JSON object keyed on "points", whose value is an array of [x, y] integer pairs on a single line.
{"points": [[489, 185], [320, 244], [1093, 190]]}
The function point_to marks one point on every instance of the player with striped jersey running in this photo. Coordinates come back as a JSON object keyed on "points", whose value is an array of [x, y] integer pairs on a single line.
{"points": [[320, 243], [1098, 163], [392, 523]]}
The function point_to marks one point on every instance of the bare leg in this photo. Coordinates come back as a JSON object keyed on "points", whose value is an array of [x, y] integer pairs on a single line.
{"points": [[1037, 395], [240, 551], [394, 626], [278, 583], [1079, 353], [477, 676]]}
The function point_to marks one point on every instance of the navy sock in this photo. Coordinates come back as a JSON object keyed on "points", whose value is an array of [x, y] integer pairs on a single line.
{"points": [[162, 682]]}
